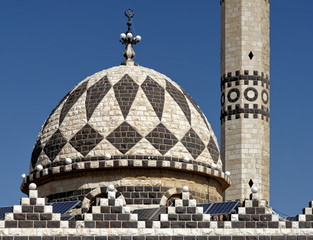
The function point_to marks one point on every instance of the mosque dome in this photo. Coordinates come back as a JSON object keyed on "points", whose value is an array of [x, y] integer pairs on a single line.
{"points": [[127, 126], [126, 111]]}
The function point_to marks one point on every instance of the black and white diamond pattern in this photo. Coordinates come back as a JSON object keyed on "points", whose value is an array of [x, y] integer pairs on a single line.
{"points": [[106, 114]]}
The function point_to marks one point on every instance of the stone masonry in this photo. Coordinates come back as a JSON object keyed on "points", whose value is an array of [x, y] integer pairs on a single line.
{"points": [[245, 96]]}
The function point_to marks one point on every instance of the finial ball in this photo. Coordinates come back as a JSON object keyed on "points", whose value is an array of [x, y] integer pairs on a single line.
{"points": [[185, 189], [39, 167], [108, 156], [32, 186], [68, 161], [186, 159], [213, 166], [23, 176], [138, 38], [129, 35], [111, 187], [254, 189], [123, 35], [227, 173]]}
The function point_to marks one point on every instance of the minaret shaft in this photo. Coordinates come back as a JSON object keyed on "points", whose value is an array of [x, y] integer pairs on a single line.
{"points": [[245, 96]]}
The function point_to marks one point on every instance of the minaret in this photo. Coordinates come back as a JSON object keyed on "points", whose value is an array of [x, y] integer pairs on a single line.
{"points": [[245, 88]]}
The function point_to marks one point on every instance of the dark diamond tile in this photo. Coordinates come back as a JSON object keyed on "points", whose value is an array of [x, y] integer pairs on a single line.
{"points": [[36, 152], [196, 107], [125, 92], [193, 143], [124, 137], [47, 120], [95, 94], [162, 139], [86, 139], [54, 145], [73, 97], [213, 150], [179, 98], [155, 95]]}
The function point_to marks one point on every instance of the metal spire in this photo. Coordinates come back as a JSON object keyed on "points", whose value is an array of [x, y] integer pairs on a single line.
{"points": [[129, 41]]}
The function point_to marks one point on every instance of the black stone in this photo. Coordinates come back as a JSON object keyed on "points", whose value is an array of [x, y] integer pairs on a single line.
{"points": [[161, 138], [71, 100], [125, 92], [155, 95], [193, 143], [86, 139], [36, 152], [95, 94], [180, 99], [124, 137], [54, 145], [213, 150]]}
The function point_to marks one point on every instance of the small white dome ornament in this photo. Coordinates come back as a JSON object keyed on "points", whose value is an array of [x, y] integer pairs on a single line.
{"points": [[123, 35], [254, 189], [213, 166], [107, 156], [39, 167], [138, 38], [186, 159], [129, 35], [185, 189], [111, 188], [227, 173], [32, 186], [23, 176], [68, 161]]}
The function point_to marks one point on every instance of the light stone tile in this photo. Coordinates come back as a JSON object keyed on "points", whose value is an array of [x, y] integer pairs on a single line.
{"points": [[33, 194], [133, 217], [17, 209], [25, 201], [88, 217], [164, 217]]}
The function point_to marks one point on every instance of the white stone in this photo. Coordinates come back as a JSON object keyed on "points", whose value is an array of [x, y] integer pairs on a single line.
{"points": [[56, 216], [96, 209], [25, 201], [9, 216], [64, 224], [213, 225], [88, 217], [156, 224], [111, 195], [171, 210], [275, 218], [119, 202], [185, 195], [40, 201], [192, 203], [206, 217], [227, 224], [126, 209], [47, 209], [1, 225], [248, 203], [199, 210], [282, 224], [17, 209], [241, 210], [133, 217], [308, 211], [141, 224], [301, 218], [164, 217], [295, 224], [178, 203], [234, 217], [104, 202]]}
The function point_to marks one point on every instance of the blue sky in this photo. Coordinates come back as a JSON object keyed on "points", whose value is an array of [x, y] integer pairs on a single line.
{"points": [[47, 47]]}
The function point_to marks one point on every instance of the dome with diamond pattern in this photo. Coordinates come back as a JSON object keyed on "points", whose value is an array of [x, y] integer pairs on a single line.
{"points": [[126, 110]]}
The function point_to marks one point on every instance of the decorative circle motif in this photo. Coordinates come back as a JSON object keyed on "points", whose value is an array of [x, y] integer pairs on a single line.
{"points": [[251, 94], [222, 99], [233, 95], [265, 97]]}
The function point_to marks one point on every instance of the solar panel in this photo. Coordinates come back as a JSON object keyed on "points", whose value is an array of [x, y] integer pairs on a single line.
{"points": [[205, 206], [151, 214], [219, 208], [4, 210], [63, 207], [294, 218]]}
